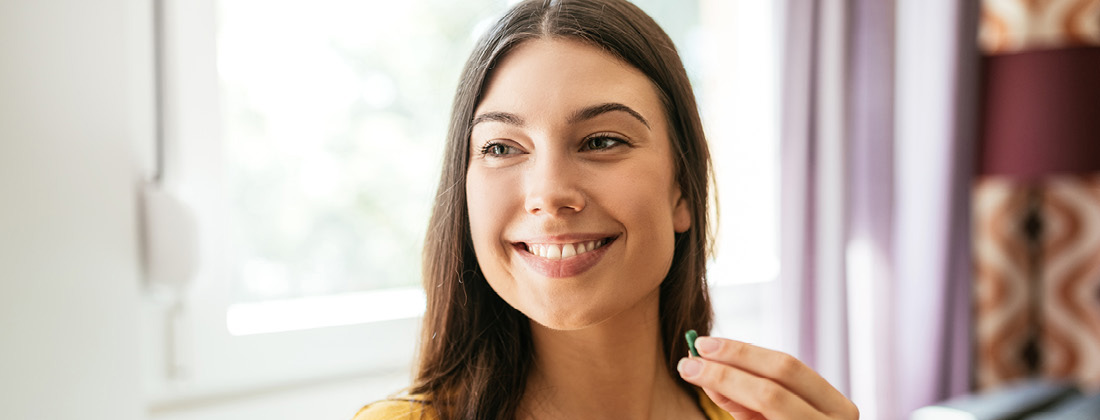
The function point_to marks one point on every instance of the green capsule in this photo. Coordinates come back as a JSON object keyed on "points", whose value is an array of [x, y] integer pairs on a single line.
{"points": [[691, 335]]}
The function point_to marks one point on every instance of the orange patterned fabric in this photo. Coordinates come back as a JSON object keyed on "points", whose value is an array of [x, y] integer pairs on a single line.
{"points": [[1070, 341], [1002, 306], [1056, 289], [1037, 301], [1018, 25]]}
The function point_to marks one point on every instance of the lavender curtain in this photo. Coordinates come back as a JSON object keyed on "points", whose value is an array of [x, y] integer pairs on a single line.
{"points": [[878, 127], [937, 130]]}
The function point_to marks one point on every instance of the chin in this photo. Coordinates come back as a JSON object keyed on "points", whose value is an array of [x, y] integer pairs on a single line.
{"points": [[568, 319]]}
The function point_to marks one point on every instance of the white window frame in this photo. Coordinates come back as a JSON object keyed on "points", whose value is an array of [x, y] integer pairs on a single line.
{"points": [[202, 358]]}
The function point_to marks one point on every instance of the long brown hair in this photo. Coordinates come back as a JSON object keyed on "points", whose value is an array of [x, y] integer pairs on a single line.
{"points": [[476, 350]]}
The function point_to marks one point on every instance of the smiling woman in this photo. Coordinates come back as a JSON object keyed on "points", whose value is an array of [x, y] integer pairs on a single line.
{"points": [[566, 253], [584, 164]]}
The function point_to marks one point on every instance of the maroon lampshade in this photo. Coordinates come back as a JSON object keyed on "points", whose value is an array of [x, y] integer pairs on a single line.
{"points": [[1042, 113]]}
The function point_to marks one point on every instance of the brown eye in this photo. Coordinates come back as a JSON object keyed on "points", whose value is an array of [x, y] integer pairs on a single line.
{"points": [[602, 143], [498, 149]]}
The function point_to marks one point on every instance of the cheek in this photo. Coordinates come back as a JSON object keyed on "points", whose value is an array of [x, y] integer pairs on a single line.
{"points": [[488, 202], [644, 199], [644, 204]]}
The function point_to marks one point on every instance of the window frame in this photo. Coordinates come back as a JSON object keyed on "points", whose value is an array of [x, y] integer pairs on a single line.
{"points": [[192, 354]]}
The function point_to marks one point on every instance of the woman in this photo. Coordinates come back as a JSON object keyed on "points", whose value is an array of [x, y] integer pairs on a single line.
{"points": [[565, 257]]}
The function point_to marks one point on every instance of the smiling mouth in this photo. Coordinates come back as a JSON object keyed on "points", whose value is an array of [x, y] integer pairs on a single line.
{"points": [[564, 251]]}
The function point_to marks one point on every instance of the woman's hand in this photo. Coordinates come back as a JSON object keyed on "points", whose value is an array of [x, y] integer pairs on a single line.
{"points": [[756, 383]]}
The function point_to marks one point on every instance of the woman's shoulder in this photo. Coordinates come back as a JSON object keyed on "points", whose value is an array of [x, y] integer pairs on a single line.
{"points": [[408, 407]]}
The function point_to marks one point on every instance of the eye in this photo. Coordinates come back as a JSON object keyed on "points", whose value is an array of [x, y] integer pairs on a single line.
{"points": [[601, 142], [498, 149]]}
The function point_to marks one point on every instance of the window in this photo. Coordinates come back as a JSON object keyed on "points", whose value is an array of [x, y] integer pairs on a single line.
{"points": [[309, 138], [332, 135]]}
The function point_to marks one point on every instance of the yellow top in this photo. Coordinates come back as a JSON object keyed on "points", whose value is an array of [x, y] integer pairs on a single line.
{"points": [[417, 407]]}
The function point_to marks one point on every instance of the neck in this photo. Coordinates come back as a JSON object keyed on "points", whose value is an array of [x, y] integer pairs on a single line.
{"points": [[605, 370]]}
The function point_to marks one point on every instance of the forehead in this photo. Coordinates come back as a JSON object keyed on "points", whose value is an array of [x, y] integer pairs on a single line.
{"points": [[542, 76]]}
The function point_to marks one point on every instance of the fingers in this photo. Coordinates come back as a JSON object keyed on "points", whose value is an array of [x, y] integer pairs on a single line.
{"points": [[738, 411], [738, 390], [779, 367]]}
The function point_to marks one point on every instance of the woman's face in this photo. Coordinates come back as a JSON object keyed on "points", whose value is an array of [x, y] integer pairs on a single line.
{"points": [[571, 191]]}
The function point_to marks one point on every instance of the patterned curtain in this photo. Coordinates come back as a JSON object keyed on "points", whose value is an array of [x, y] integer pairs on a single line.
{"points": [[1037, 199]]}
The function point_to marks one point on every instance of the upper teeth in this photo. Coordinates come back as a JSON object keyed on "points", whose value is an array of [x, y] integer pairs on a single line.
{"points": [[562, 251]]}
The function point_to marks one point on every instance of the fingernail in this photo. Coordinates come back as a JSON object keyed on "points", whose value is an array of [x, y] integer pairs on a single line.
{"points": [[706, 345], [689, 368]]}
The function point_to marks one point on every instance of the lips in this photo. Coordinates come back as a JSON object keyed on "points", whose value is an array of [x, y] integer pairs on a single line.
{"points": [[560, 259]]}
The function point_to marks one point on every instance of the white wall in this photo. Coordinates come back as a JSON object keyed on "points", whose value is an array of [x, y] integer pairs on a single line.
{"points": [[69, 270]]}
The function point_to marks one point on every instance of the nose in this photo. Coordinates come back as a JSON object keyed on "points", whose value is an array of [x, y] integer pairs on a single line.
{"points": [[553, 186]]}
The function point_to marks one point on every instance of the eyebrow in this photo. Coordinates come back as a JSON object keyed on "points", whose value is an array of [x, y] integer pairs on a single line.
{"points": [[503, 117], [594, 111], [582, 114]]}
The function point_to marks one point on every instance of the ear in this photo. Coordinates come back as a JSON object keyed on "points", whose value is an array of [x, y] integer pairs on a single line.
{"points": [[681, 215]]}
